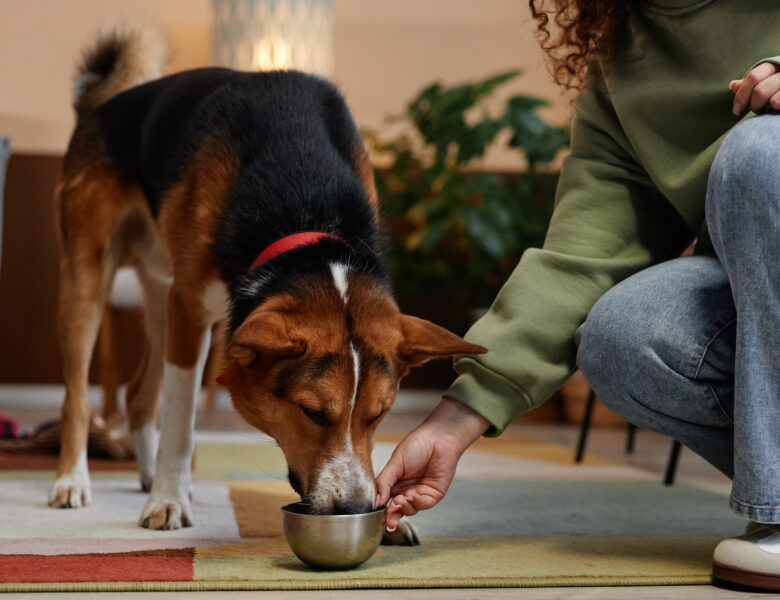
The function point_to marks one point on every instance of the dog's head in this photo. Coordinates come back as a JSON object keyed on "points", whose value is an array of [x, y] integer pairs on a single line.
{"points": [[318, 368]]}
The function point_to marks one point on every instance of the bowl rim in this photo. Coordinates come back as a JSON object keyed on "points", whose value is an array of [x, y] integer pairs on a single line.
{"points": [[285, 510]]}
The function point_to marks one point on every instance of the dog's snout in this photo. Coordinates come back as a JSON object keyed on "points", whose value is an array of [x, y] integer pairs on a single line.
{"points": [[352, 507]]}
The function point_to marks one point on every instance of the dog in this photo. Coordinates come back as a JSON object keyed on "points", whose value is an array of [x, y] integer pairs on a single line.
{"points": [[247, 197]]}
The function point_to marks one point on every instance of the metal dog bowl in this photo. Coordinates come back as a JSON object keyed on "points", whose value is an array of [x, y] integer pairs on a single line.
{"points": [[332, 541]]}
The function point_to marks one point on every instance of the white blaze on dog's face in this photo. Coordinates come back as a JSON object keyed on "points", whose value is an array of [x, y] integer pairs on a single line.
{"points": [[318, 368]]}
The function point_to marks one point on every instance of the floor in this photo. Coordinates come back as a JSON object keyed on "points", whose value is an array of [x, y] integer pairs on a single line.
{"points": [[651, 453]]}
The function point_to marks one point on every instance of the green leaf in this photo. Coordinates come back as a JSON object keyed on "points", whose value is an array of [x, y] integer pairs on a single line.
{"points": [[433, 235], [484, 236]]}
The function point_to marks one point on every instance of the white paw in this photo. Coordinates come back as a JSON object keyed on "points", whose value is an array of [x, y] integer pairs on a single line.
{"points": [[167, 510], [72, 491], [403, 535]]}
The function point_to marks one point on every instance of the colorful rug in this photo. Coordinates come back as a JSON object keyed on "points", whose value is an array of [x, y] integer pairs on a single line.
{"points": [[519, 513]]}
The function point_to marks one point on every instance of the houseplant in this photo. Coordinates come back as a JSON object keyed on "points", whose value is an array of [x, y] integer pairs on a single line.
{"points": [[456, 230]]}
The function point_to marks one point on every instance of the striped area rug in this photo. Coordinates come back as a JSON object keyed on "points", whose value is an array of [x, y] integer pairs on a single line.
{"points": [[519, 513]]}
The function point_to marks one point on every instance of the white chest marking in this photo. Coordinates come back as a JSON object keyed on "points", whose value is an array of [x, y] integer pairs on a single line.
{"points": [[339, 272]]}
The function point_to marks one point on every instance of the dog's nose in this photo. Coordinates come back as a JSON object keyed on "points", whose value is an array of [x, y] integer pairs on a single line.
{"points": [[352, 507]]}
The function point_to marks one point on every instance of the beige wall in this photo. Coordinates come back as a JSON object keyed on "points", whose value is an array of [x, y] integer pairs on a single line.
{"points": [[385, 51]]}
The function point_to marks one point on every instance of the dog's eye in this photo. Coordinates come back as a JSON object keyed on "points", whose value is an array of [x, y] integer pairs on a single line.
{"points": [[317, 416], [376, 418]]}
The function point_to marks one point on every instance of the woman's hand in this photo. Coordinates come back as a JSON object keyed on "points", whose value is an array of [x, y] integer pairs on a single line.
{"points": [[758, 90], [421, 468]]}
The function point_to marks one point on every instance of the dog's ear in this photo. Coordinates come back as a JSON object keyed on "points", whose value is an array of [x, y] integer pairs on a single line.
{"points": [[424, 340], [264, 332]]}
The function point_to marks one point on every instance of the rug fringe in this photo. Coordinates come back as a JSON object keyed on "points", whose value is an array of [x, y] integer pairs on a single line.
{"points": [[210, 586]]}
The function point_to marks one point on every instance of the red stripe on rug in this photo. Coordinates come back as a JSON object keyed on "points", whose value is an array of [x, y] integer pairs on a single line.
{"points": [[84, 567]]}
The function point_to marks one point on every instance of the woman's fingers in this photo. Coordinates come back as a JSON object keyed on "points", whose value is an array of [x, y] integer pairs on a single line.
{"points": [[764, 92], [755, 76], [394, 514], [407, 505], [774, 101], [400, 506], [392, 517]]}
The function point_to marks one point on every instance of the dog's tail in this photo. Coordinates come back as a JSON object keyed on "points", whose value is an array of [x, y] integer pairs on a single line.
{"points": [[119, 59]]}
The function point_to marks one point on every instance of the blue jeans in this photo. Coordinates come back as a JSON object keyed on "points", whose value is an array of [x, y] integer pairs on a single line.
{"points": [[691, 347]]}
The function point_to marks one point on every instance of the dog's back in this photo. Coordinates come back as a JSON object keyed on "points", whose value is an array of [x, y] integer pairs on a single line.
{"points": [[299, 153]]}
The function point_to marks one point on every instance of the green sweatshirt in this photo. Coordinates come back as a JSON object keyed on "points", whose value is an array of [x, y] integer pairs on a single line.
{"points": [[631, 192]]}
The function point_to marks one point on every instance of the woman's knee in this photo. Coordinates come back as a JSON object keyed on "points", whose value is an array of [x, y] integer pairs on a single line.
{"points": [[613, 355], [643, 346], [636, 338], [605, 341], [744, 170]]}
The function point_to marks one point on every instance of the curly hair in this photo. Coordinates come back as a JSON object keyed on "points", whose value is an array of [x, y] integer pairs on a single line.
{"points": [[585, 29]]}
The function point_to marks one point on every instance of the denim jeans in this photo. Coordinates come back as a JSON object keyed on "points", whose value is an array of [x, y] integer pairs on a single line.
{"points": [[691, 347]]}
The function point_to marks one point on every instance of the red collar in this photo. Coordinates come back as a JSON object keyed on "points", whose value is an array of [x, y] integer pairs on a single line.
{"points": [[291, 242]]}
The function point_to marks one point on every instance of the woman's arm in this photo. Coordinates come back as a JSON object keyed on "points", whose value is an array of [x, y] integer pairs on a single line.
{"points": [[609, 222]]}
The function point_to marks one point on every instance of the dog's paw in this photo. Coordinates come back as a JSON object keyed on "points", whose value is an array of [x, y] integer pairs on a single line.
{"points": [[404, 535], [166, 513], [168, 506], [68, 493], [72, 491]]}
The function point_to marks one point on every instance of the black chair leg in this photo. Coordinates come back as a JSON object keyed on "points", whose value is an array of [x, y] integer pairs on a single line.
{"points": [[630, 438], [671, 467], [585, 427]]}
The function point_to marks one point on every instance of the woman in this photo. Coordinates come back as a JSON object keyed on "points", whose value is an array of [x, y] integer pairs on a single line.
{"points": [[666, 148]]}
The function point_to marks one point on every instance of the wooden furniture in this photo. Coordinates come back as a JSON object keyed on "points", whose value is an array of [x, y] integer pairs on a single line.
{"points": [[5, 153]]}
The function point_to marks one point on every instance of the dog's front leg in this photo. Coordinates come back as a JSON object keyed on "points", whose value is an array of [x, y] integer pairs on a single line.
{"points": [[405, 534], [168, 506]]}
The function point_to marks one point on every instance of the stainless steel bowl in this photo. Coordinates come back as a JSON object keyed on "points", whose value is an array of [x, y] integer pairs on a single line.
{"points": [[332, 541]]}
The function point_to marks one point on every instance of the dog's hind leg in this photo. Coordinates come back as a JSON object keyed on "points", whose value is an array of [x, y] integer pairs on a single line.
{"points": [[88, 260], [143, 390]]}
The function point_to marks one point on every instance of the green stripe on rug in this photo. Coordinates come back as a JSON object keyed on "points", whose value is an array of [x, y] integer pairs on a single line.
{"points": [[451, 562], [476, 562]]}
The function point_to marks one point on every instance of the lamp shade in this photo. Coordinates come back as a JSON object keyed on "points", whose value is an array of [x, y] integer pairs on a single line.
{"points": [[265, 35]]}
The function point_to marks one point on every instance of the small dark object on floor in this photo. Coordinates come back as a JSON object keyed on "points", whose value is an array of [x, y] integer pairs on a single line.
{"points": [[107, 439], [9, 428]]}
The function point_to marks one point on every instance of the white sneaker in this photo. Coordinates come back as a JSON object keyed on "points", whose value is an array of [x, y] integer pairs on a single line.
{"points": [[752, 559]]}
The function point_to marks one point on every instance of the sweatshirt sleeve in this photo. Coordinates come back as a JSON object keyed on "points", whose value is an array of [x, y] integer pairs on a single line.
{"points": [[772, 59], [609, 222]]}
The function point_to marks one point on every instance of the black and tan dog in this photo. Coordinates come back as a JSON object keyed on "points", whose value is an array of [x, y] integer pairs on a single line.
{"points": [[245, 196]]}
